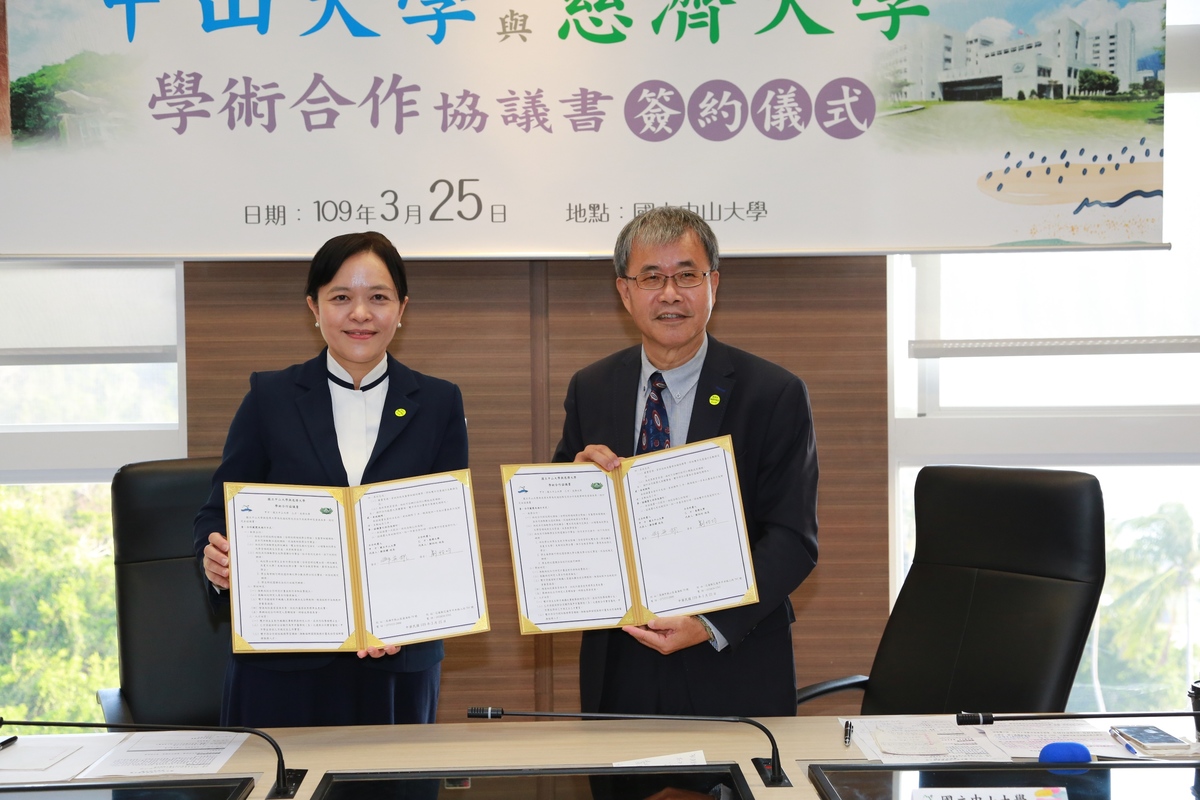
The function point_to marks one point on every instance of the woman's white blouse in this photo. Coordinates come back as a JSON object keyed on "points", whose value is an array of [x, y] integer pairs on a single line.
{"points": [[356, 416]]}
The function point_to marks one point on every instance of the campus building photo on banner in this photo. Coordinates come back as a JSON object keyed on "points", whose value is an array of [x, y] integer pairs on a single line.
{"points": [[537, 128]]}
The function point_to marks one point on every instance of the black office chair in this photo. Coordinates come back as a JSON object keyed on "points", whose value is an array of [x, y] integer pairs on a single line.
{"points": [[996, 609], [173, 648]]}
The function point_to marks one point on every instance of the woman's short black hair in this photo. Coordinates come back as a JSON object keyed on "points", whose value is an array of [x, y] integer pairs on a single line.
{"points": [[333, 254]]}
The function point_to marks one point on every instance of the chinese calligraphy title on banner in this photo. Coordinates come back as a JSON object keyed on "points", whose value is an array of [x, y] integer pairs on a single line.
{"points": [[536, 128]]}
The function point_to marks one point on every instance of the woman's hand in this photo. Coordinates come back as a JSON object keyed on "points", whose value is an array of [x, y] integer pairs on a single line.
{"points": [[216, 560], [379, 652]]}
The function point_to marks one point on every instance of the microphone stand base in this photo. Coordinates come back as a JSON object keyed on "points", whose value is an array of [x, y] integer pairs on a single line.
{"points": [[765, 768], [294, 777]]}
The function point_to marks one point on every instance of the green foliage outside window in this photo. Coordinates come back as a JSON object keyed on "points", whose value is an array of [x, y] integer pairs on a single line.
{"points": [[58, 634], [1141, 654]]}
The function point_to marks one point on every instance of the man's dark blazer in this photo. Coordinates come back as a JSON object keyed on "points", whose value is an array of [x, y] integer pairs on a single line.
{"points": [[284, 433], [765, 409]]}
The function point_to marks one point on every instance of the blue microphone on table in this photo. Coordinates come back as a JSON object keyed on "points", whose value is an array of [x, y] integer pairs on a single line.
{"points": [[1065, 753]]}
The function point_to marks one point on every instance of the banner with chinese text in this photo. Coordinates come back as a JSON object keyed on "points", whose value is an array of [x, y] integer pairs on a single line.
{"points": [[537, 128]]}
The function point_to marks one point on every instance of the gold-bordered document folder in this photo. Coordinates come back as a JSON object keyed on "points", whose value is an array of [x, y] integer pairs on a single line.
{"points": [[663, 535], [328, 568]]}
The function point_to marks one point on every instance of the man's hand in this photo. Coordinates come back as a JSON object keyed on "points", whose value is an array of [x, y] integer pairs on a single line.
{"points": [[599, 455], [379, 652], [216, 560], [669, 634]]}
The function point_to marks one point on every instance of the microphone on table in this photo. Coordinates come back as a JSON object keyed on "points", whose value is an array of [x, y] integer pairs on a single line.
{"points": [[769, 769], [983, 718], [287, 781]]}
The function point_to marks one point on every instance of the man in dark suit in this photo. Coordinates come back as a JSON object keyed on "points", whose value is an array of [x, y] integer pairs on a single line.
{"points": [[682, 385]]}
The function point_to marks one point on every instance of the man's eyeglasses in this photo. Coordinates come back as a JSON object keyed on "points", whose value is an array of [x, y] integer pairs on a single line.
{"points": [[687, 279]]}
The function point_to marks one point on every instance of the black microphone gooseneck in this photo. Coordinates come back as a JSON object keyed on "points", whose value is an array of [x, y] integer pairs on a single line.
{"points": [[287, 781], [977, 718], [770, 770]]}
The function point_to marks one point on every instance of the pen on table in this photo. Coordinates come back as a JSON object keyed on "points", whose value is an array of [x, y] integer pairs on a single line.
{"points": [[849, 731], [8, 742], [1121, 739]]}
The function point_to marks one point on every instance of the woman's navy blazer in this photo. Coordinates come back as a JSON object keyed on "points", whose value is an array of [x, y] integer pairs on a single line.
{"points": [[284, 433]]}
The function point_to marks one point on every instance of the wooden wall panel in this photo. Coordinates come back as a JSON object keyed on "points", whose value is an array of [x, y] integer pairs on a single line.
{"points": [[239, 318], [470, 323], [511, 334], [586, 322]]}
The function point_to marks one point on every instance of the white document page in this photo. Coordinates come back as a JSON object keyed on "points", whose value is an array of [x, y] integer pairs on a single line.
{"points": [[168, 753], [1025, 739], [922, 740], [419, 561], [566, 541], [689, 758], [53, 758], [690, 546], [291, 585]]}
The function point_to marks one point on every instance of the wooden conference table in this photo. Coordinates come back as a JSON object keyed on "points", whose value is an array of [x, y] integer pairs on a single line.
{"points": [[544, 743]]}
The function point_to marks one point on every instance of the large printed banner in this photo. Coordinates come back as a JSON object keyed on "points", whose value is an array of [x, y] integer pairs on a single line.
{"points": [[537, 128]]}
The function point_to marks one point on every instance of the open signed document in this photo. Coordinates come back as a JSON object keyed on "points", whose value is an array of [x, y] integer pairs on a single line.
{"points": [[318, 568], [662, 535]]}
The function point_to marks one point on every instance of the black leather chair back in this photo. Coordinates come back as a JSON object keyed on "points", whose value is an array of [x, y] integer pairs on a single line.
{"points": [[1005, 581], [173, 648]]}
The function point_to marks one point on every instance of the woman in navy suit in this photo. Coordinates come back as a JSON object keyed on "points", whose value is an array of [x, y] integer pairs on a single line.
{"points": [[350, 416]]}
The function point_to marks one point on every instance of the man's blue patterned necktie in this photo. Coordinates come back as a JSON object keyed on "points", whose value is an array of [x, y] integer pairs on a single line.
{"points": [[656, 429]]}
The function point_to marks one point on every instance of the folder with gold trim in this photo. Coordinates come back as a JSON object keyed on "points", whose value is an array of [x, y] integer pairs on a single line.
{"points": [[662, 535], [320, 568]]}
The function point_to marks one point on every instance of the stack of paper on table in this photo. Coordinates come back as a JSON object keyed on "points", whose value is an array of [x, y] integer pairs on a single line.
{"points": [[168, 753], [60, 758], [53, 758], [940, 739]]}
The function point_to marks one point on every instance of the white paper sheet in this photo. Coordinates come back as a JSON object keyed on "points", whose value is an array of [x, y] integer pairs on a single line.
{"points": [[1026, 739], [167, 753], [922, 740], [566, 538], [695, 757], [691, 549], [53, 758], [291, 584], [420, 567]]}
